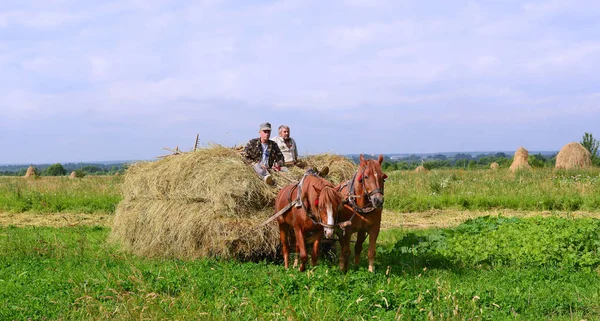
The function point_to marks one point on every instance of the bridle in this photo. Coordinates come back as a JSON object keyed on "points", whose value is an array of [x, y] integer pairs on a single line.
{"points": [[366, 193]]}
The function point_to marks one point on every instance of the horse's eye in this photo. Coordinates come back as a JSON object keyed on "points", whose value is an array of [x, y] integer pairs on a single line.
{"points": [[360, 178], [384, 177]]}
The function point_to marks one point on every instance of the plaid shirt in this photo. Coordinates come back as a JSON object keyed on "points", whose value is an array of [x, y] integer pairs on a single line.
{"points": [[253, 152]]}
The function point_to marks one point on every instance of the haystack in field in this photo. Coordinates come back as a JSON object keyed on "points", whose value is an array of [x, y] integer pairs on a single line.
{"points": [[494, 166], [30, 172], [573, 155], [421, 169], [205, 203], [73, 175], [520, 160]]}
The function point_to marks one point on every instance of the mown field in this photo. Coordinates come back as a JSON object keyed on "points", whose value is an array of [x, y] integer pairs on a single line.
{"points": [[490, 268]]}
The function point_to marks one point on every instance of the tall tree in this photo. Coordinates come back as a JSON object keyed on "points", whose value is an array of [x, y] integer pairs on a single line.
{"points": [[591, 144], [55, 170]]}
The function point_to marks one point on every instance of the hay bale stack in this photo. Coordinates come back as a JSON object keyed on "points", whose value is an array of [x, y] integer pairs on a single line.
{"points": [[421, 169], [73, 175], [198, 204], [494, 166], [573, 155], [117, 174], [520, 160], [30, 172]]}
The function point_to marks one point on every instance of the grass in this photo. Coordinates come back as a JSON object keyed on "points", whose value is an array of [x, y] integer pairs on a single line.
{"points": [[405, 191], [534, 190], [47, 194], [71, 273]]}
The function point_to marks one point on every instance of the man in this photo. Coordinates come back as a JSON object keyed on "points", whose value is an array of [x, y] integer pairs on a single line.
{"points": [[288, 148], [264, 154]]}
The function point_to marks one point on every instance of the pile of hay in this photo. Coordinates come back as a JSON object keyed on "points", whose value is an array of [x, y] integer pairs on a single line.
{"points": [[30, 172], [573, 155], [494, 166], [73, 175], [341, 168], [199, 204], [520, 160], [421, 169]]}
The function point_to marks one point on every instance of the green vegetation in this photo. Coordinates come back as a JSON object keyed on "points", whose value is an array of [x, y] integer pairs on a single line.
{"points": [[60, 194], [463, 161], [405, 191], [591, 144], [59, 169], [537, 189], [489, 268], [55, 170]]}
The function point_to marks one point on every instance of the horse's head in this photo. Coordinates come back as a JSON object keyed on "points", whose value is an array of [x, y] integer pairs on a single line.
{"points": [[369, 180], [328, 205]]}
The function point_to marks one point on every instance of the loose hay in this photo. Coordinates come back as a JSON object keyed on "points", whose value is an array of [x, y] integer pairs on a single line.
{"points": [[494, 166], [421, 169], [573, 155], [191, 230], [73, 175], [520, 160], [341, 168], [216, 175], [205, 204]]}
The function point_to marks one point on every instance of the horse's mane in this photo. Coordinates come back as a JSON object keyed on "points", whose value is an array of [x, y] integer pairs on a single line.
{"points": [[331, 192]]}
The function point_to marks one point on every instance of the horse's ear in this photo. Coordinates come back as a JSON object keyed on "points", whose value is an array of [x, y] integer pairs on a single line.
{"points": [[362, 159], [380, 160]]}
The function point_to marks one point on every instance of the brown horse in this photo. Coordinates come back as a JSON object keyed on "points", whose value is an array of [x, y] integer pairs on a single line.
{"points": [[362, 213], [320, 204]]}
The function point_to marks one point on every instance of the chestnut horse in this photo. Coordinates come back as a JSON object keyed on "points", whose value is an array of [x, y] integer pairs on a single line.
{"points": [[362, 213], [320, 204]]}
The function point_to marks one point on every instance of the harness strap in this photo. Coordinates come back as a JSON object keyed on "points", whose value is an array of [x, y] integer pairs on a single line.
{"points": [[351, 197]]}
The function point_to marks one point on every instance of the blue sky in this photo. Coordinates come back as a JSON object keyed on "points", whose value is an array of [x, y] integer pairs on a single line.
{"points": [[120, 80]]}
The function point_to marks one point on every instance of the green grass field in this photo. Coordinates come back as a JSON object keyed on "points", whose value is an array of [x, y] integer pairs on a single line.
{"points": [[486, 268], [405, 191], [47, 194], [534, 190], [470, 272]]}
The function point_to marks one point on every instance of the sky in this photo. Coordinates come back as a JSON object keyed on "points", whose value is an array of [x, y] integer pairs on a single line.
{"points": [[102, 80]]}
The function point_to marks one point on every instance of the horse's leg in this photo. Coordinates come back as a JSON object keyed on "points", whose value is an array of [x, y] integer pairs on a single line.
{"points": [[301, 248], [315, 250], [285, 248], [372, 246], [345, 251], [296, 256], [360, 239]]}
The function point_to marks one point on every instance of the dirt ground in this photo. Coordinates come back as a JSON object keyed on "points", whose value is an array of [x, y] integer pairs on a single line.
{"points": [[391, 219]]}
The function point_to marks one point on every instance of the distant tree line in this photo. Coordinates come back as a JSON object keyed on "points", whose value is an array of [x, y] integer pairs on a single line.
{"points": [[58, 169], [468, 161], [459, 160]]}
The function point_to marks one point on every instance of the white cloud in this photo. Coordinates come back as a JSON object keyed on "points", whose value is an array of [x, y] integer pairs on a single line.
{"points": [[237, 63]]}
